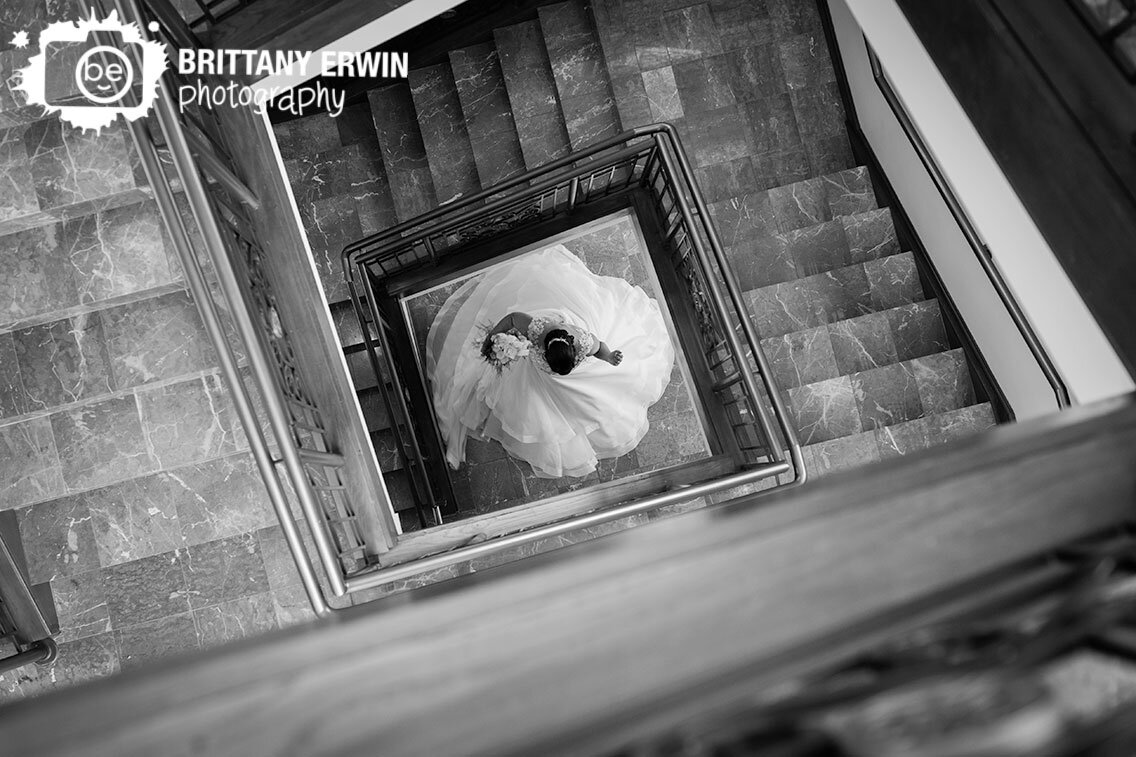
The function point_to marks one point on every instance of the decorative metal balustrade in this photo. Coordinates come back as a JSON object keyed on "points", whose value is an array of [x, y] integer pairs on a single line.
{"points": [[27, 621], [648, 161], [225, 269]]}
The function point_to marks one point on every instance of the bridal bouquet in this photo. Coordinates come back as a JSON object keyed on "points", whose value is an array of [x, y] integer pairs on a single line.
{"points": [[501, 350]]}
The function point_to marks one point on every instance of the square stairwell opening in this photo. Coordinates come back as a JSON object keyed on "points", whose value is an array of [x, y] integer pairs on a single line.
{"points": [[680, 432], [629, 207]]}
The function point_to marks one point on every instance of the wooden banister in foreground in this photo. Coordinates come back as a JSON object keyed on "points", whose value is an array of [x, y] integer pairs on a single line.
{"points": [[532, 659]]}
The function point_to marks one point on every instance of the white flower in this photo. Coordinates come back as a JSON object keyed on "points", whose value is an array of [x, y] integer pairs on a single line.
{"points": [[507, 348]]}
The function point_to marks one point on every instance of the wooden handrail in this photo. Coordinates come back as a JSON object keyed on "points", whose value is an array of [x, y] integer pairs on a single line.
{"points": [[529, 658]]}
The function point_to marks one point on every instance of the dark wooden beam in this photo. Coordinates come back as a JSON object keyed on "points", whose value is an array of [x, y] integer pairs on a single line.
{"points": [[1084, 211], [532, 659]]}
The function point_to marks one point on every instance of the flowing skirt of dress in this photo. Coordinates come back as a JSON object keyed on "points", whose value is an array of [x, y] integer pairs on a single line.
{"points": [[560, 425]]}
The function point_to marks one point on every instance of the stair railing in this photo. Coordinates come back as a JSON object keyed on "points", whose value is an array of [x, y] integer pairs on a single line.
{"points": [[23, 620], [973, 238], [649, 158], [393, 393], [290, 449], [226, 276]]}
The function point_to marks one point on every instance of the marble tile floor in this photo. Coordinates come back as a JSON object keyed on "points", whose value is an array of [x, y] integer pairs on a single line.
{"points": [[490, 480]]}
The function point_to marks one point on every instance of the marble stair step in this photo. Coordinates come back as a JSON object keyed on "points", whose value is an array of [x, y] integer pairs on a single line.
{"points": [[856, 344], [836, 295], [488, 113], [906, 438], [881, 397], [342, 191], [374, 409], [85, 264], [53, 171], [821, 198], [761, 259], [336, 170], [400, 492], [444, 135], [532, 93], [793, 206], [403, 151], [346, 325], [580, 73], [386, 450], [634, 52]]}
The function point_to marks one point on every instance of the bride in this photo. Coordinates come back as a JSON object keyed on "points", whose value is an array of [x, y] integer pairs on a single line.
{"points": [[598, 355]]}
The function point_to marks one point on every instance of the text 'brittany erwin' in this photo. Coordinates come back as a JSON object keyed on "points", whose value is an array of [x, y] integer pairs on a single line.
{"points": [[259, 63]]}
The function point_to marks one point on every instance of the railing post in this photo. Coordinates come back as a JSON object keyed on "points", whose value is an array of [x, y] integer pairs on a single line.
{"points": [[198, 199], [198, 287], [734, 290]]}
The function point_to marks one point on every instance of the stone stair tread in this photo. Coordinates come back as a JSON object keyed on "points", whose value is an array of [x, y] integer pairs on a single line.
{"points": [[835, 295], [488, 114], [532, 93], [346, 323], [85, 264], [934, 430], [761, 259], [849, 452], [444, 135], [580, 73], [399, 490], [880, 397], [403, 153], [54, 171], [374, 409], [386, 450], [348, 175], [807, 202], [856, 344]]}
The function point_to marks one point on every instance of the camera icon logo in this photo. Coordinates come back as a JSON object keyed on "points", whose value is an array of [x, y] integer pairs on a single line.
{"points": [[104, 75], [86, 70], [96, 72]]}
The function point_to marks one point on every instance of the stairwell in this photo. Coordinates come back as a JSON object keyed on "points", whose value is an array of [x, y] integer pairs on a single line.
{"points": [[119, 453], [136, 499], [867, 366]]}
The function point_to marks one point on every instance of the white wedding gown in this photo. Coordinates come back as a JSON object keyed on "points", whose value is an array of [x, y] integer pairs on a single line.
{"points": [[560, 425]]}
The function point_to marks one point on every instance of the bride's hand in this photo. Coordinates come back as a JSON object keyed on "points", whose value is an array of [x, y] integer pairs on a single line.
{"points": [[616, 357]]}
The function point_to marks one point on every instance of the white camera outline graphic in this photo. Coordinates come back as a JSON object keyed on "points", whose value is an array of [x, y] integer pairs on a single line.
{"points": [[82, 67]]}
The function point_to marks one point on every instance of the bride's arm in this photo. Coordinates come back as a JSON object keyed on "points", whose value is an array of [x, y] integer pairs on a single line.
{"points": [[518, 321], [607, 354]]}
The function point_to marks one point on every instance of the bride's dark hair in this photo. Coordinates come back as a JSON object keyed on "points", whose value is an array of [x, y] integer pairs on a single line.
{"points": [[560, 351]]}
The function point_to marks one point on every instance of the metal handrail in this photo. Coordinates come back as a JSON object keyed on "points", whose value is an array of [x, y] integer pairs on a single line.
{"points": [[734, 291], [970, 233], [381, 576], [293, 460], [22, 619], [449, 211], [418, 473], [537, 183]]}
